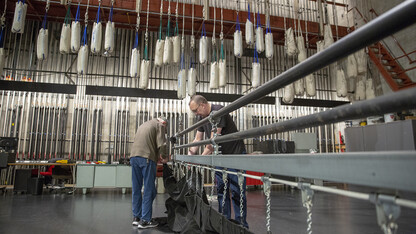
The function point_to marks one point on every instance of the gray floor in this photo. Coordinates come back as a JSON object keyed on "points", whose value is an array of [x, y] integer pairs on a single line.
{"points": [[109, 211]]}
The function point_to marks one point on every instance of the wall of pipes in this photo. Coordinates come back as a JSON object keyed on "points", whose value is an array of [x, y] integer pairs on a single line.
{"points": [[85, 127]]}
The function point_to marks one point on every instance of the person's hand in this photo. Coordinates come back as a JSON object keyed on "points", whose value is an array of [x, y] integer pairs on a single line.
{"points": [[172, 140], [164, 160]]}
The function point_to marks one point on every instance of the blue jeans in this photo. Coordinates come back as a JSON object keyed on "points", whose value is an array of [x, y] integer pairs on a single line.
{"points": [[143, 170], [232, 186]]}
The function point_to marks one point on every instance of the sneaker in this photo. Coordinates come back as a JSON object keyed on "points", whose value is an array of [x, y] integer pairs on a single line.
{"points": [[147, 224], [136, 221]]}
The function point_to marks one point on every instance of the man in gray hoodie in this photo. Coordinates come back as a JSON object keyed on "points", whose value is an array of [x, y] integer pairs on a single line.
{"points": [[149, 146]]}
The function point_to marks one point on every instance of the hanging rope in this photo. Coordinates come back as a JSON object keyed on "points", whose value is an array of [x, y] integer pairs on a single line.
{"points": [[222, 56], [146, 35], [84, 36], [168, 26], [238, 21], [46, 14], [110, 16], [78, 13], [256, 55], [98, 12], [67, 19]]}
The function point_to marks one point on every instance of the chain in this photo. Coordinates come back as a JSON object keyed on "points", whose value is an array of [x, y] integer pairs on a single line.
{"points": [[183, 29], [48, 3], [192, 34], [213, 30], [213, 184], [146, 36], [176, 10], [168, 9], [307, 196], [138, 21], [222, 26], [186, 171], [3, 16], [86, 12], [240, 184], [225, 180], [266, 189], [202, 179], [308, 206], [161, 9]]}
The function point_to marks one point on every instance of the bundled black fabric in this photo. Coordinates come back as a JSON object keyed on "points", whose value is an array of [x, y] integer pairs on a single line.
{"points": [[189, 211]]}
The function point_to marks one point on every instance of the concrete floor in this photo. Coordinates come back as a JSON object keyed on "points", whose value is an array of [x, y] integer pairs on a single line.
{"points": [[109, 211]]}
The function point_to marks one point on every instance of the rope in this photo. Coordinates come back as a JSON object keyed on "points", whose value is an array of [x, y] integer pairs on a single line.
{"points": [[77, 14], [258, 19], [2, 33], [136, 40], [67, 19], [238, 21], [98, 12], [110, 17], [249, 17], [256, 55], [46, 14]]}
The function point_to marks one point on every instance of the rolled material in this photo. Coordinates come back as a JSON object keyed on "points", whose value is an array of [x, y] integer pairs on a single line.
{"points": [[2, 60], [259, 39], [144, 74], [65, 39], [176, 49], [109, 37], [269, 45], [369, 89], [214, 76], [160, 44], [361, 58], [168, 51], [96, 38], [288, 93], [360, 89], [249, 33], [42, 44], [310, 84], [19, 17], [203, 50], [290, 43], [341, 84], [222, 65], [191, 81], [238, 44], [182, 84], [75, 36], [255, 75], [82, 63], [135, 63]]}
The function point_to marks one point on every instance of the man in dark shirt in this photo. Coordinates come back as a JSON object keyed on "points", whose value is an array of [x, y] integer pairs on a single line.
{"points": [[200, 107]]}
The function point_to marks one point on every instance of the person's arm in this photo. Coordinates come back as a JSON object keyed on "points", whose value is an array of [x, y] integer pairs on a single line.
{"points": [[208, 148], [161, 143], [198, 137]]}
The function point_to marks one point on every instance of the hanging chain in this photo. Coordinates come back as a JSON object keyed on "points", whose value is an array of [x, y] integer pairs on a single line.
{"points": [[213, 184], [307, 196], [186, 171], [267, 191], [196, 169], [192, 34], [202, 179], [222, 26], [3, 16], [225, 180], [240, 184], [168, 11], [146, 36], [213, 30], [183, 29], [176, 10], [48, 3], [86, 13], [137, 20], [161, 10]]}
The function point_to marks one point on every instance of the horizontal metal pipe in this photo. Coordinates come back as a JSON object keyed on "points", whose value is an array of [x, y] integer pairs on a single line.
{"points": [[390, 22], [397, 101]]}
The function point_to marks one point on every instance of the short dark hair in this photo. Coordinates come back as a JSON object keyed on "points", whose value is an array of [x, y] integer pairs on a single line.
{"points": [[198, 99]]}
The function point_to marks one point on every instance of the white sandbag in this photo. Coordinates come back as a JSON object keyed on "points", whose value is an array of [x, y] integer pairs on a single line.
{"points": [[302, 50], [328, 38], [2, 61], [75, 36], [255, 75], [42, 44], [249, 32], [360, 90], [290, 43], [222, 67], [176, 49], [288, 94], [203, 50], [238, 44], [168, 51], [82, 63], [361, 58], [259, 39], [351, 67], [160, 44], [341, 84], [320, 46], [182, 84], [19, 18], [310, 85], [369, 89], [135, 63], [65, 39], [269, 45], [96, 38], [299, 87], [109, 37], [144, 74], [214, 76], [191, 81]]}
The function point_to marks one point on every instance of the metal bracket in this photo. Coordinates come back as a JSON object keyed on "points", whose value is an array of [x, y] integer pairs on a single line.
{"points": [[214, 122], [307, 192], [240, 177], [387, 212], [266, 184]]}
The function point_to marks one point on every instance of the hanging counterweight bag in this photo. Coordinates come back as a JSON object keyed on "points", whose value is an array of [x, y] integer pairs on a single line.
{"points": [[19, 17], [269, 45], [182, 84], [259, 39], [214, 76], [167, 51], [176, 49], [342, 86], [361, 58], [42, 44], [299, 87], [222, 65], [288, 93], [302, 50], [360, 89], [96, 37], [290, 42], [65, 39], [144, 74], [160, 44], [351, 67], [191, 81], [310, 84], [203, 50], [369, 89], [75, 36], [82, 63], [109, 37], [328, 38], [255, 76], [238, 41], [135, 62], [249, 32]]}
